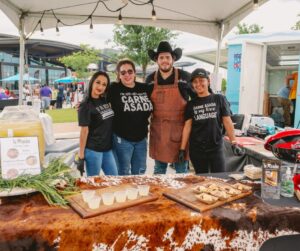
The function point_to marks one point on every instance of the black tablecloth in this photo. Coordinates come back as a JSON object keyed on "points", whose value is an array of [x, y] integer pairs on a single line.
{"points": [[237, 163]]}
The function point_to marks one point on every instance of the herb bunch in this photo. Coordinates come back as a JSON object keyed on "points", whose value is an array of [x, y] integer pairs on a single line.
{"points": [[53, 183]]}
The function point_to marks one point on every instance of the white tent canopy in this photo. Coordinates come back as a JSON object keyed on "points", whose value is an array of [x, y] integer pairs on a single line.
{"points": [[209, 18], [202, 17]]}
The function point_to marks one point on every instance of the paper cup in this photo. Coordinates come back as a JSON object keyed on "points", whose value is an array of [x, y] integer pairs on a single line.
{"points": [[94, 202], [143, 190], [108, 198], [132, 193], [87, 195], [120, 196]]}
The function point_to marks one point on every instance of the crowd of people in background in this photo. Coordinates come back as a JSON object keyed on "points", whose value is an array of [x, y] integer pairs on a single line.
{"points": [[54, 97], [5, 93]]}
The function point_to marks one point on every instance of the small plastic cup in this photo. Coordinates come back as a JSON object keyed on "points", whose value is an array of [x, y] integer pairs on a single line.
{"points": [[132, 193], [87, 195], [120, 196], [94, 202], [143, 190], [108, 198]]}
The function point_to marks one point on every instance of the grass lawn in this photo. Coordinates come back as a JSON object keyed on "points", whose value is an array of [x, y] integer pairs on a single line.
{"points": [[63, 115]]}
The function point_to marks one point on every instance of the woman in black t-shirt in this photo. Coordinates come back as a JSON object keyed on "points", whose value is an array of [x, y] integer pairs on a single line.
{"points": [[205, 116], [95, 118], [132, 107]]}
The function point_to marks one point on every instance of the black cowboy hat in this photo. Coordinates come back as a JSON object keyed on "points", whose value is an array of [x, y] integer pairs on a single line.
{"points": [[164, 46]]}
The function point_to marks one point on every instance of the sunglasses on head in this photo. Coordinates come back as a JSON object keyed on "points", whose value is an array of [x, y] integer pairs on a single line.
{"points": [[124, 72]]}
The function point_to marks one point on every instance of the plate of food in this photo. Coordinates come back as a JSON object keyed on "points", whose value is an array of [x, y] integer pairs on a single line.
{"points": [[16, 191]]}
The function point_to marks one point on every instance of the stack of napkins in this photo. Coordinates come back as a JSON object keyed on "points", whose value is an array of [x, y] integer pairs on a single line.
{"points": [[252, 172]]}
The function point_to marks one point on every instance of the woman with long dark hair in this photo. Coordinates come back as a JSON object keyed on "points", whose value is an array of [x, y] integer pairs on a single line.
{"points": [[131, 103], [205, 117], [95, 118]]}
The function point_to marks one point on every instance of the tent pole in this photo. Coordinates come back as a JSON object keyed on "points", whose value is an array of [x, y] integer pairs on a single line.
{"points": [[220, 38], [21, 57]]}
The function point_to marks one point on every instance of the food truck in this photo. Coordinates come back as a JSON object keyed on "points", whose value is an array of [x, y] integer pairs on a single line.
{"points": [[257, 66]]}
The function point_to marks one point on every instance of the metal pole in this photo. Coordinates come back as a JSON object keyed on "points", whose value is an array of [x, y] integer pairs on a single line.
{"points": [[218, 54], [21, 58]]}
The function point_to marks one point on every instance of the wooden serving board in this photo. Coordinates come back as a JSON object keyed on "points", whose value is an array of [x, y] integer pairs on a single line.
{"points": [[186, 196], [76, 202]]}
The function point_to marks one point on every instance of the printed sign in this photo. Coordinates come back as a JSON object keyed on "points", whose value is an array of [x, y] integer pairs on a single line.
{"points": [[237, 61], [271, 179], [19, 155]]}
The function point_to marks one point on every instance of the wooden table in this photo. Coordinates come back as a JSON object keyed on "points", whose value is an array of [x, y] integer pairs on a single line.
{"points": [[28, 223]]}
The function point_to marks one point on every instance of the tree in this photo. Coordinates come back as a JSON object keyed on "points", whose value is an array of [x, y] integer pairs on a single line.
{"points": [[79, 60], [224, 85], [297, 25], [135, 41], [244, 28]]}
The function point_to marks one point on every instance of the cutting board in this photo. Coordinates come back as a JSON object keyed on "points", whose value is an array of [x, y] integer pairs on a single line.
{"points": [[186, 196], [76, 202]]}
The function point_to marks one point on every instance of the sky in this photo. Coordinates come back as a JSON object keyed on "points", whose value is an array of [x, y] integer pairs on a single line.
{"points": [[274, 16]]}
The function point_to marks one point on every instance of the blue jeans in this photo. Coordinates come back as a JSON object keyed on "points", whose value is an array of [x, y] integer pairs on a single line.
{"points": [[95, 161], [45, 102], [131, 156], [161, 167]]}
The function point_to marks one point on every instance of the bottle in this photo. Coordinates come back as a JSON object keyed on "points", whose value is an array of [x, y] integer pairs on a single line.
{"points": [[287, 184]]}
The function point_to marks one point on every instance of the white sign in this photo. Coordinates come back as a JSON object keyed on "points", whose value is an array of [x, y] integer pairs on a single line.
{"points": [[19, 155]]}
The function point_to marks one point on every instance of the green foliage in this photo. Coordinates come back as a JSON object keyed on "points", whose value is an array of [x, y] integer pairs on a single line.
{"points": [[135, 41], [223, 86], [297, 25], [79, 60], [244, 28]]}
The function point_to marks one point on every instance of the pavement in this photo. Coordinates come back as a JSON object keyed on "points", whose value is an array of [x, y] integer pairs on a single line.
{"points": [[72, 130], [66, 130]]}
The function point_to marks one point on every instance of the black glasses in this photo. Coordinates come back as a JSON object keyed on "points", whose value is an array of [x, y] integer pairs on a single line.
{"points": [[128, 71]]}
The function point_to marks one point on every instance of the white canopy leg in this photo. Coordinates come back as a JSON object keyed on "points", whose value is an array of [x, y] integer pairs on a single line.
{"points": [[21, 58], [216, 78]]}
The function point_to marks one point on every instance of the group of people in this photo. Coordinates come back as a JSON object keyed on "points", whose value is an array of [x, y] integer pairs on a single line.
{"points": [[186, 120], [6, 94], [54, 96]]}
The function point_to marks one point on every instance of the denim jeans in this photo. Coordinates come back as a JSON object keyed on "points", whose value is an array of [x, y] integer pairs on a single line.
{"points": [[45, 102], [131, 156], [161, 167], [95, 161]]}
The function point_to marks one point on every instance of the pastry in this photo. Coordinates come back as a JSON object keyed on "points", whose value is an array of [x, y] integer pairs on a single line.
{"points": [[232, 191], [212, 187], [222, 195], [242, 187], [206, 198], [200, 189]]}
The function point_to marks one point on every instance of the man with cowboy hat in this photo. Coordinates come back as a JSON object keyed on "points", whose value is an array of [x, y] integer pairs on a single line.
{"points": [[169, 96]]}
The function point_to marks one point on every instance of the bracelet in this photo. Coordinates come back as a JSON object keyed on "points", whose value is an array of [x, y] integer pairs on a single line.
{"points": [[234, 142]]}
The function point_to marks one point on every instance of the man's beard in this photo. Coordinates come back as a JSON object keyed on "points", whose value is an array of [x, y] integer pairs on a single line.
{"points": [[166, 70]]}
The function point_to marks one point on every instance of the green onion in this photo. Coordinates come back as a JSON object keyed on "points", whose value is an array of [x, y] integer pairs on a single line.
{"points": [[46, 183]]}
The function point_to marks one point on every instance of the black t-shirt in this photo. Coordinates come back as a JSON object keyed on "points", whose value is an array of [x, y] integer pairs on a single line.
{"points": [[183, 82], [132, 107], [98, 116], [206, 114]]}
